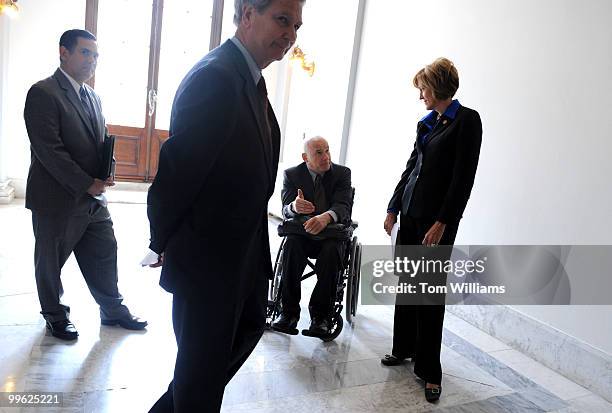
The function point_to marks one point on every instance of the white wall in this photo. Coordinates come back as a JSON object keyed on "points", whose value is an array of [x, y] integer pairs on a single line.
{"points": [[539, 74], [33, 55]]}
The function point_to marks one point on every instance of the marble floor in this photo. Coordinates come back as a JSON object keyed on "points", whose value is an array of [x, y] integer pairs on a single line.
{"points": [[109, 369]]}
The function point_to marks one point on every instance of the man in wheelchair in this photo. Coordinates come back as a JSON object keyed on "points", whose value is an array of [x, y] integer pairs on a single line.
{"points": [[316, 193]]}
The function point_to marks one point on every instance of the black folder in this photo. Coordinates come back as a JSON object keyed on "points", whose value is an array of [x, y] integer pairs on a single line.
{"points": [[108, 152]]}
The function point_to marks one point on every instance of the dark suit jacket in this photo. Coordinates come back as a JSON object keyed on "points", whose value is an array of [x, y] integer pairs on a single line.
{"points": [[66, 152], [450, 158], [337, 184], [208, 204]]}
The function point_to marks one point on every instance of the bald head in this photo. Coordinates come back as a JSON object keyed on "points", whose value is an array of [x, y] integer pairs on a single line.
{"points": [[308, 143], [316, 154]]}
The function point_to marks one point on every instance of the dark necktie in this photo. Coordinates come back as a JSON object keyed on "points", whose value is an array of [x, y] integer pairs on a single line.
{"points": [[320, 200], [263, 93], [263, 97], [88, 109]]}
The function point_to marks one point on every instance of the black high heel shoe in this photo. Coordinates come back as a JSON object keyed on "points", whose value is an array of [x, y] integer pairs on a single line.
{"points": [[433, 395]]}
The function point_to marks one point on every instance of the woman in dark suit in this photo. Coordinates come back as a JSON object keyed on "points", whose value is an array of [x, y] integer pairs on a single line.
{"points": [[430, 199]]}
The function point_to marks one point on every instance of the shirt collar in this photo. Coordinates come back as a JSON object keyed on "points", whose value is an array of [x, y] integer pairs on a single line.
{"points": [[313, 174], [74, 83], [451, 110], [450, 113], [253, 68]]}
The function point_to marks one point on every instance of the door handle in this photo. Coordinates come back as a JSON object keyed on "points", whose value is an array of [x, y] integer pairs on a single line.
{"points": [[152, 98]]}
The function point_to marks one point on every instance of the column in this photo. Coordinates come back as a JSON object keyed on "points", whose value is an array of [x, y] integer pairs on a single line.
{"points": [[7, 192]]}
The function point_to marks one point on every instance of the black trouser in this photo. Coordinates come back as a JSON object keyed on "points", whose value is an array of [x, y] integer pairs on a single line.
{"points": [[328, 253], [417, 329], [214, 338], [91, 237]]}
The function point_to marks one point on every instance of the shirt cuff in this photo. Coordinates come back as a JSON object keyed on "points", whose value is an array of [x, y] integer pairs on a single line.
{"points": [[393, 211], [333, 215]]}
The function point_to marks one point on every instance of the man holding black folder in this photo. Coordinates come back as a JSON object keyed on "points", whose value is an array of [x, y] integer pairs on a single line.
{"points": [[70, 169]]}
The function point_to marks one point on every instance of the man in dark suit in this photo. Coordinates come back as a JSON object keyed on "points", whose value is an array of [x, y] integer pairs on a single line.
{"points": [[208, 204], [66, 128], [317, 188]]}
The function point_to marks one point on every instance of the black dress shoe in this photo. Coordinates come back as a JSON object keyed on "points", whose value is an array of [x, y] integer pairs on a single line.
{"points": [[433, 395], [129, 322], [63, 329], [286, 324], [318, 327], [391, 360]]}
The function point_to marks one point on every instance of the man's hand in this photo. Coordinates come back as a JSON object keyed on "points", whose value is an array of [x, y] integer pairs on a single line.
{"points": [[160, 261], [317, 224], [389, 222], [434, 235], [99, 186], [301, 206]]}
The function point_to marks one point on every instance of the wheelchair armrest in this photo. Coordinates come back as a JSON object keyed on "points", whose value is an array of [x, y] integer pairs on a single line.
{"points": [[295, 226], [336, 226]]}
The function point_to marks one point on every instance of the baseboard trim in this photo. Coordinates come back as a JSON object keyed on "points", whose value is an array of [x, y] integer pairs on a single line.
{"points": [[570, 357], [7, 192]]}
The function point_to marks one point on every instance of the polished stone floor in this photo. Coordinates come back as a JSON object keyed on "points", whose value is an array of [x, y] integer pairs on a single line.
{"points": [[109, 369]]}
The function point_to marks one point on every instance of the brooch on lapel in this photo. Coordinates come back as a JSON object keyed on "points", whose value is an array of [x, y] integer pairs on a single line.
{"points": [[444, 122]]}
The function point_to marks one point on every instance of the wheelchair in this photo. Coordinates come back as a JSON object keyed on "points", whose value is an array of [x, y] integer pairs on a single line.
{"points": [[348, 276]]}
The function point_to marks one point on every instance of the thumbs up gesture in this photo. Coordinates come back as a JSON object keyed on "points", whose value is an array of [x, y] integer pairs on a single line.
{"points": [[302, 206]]}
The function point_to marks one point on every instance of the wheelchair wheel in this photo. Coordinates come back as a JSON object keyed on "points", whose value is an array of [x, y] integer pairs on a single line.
{"points": [[352, 279], [356, 282], [349, 292], [336, 329], [274, 290]]}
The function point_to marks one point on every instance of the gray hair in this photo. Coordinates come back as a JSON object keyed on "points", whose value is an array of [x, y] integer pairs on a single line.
{"points": [[259, 5], [309, 141]]}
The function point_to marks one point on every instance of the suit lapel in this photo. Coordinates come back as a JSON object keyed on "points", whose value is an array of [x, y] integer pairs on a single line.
{"points": [[420, 145], [252, 94], [99, 122], [75, 101], [437, 131], [258, 112], [99, 119], [441, 126], [275, 139]]}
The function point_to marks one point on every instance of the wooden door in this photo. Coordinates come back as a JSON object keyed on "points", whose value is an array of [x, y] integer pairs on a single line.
{"points": [[146, 47]]}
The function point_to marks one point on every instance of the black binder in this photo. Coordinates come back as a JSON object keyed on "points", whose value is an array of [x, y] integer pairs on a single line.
{"points": [[108, 152]]}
